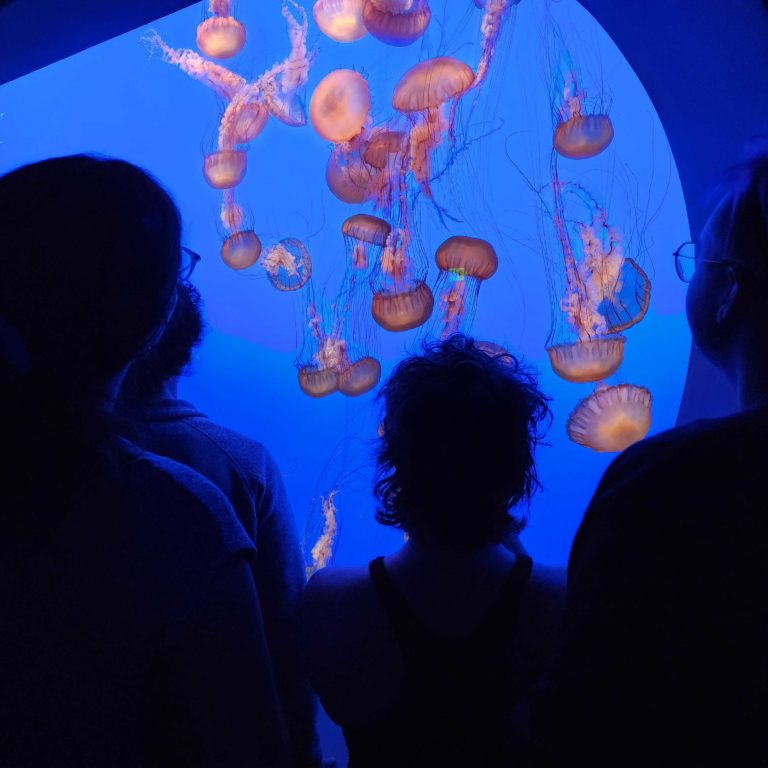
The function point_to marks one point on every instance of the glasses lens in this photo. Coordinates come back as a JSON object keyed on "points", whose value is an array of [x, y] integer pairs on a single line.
{"points": [[685, 261], [189, 260]]}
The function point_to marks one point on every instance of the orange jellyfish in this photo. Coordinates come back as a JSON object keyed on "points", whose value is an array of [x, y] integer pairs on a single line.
{"points": [[349, 177], [317, 382], [365, 236], [589, 360], [340, 106], [403, 310], [241, 250], [327, 354], [496, 12], [396, 22], [360, 377], [422, 94], [341, 20], [579, 135], [323, 547], [464, 263], [604, 291], [279, 87], [384, 146], [221, 36], [288, 264], [611, 418], [224, 168]]}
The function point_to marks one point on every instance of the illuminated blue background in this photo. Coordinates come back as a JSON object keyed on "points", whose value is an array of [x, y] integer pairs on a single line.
{"points": [[119, 100]]}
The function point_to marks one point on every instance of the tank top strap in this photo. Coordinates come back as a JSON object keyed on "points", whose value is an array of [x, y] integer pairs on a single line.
{"points": [[406, 625]]}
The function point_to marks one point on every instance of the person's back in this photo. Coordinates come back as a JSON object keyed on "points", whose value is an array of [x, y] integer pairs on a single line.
{"points": [[666, 642], [246, 473], [132, 632], [424, 656]]}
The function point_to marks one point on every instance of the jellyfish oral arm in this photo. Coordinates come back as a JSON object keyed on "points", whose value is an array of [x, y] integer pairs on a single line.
{"points": [[223, 81]]}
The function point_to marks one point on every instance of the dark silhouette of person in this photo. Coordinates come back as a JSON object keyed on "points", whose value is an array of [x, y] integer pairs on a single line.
{"points": [[423, 656], [131, 629], [247, 474], [665, 638]]}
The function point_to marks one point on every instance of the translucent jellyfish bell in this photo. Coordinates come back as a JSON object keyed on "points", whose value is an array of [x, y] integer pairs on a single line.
{"points": [[396, 22], [587, 361], [405, 310], [341, 20], [221, 37], [630, 299], [367, 229], [224, 168], [349, 177], [360, 377], [384, 145], [317, 382], [611, 418], [431, 83], [340, 105], [288, 264], [469, 255], [583, 136], [241, 250], [249, 123]]}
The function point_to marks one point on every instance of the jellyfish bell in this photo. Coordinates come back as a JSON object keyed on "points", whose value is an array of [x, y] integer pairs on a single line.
{"points": [[628, 303], [250, 122], [241, 250], [360, 377], [402, 311], [349, 177], [221, 37], [471, 256], [431, 83], [340, 106], [317, 382], [224, 168], [396, 22], [611, 418], [589, 360], [366, 229], [288, 264], [583, 136], [384, 145], [341, 20]]}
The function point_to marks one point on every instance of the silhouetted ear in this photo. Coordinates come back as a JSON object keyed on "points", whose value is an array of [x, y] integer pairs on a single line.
{"points": [[729, 298]]}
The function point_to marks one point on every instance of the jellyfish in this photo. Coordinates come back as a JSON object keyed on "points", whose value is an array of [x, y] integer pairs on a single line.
{"points": [[383, 146], [364, 235], [288, 264], [578, 134], [349, 177], [340, 106], [422, 94], [324, 355], [241, 250], [341, 20], [225, 168], [279, 86], [317, 382], [403, 310], [464, 262], [611, 418], [587, 361], [322, 551], [220, 36], [604, 292], [360, 377], [396, 22], [491, 26]]}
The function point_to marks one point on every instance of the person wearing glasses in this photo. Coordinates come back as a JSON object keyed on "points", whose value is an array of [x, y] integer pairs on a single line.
{"points": [[665, 658], [247, 474], [131, 632]]}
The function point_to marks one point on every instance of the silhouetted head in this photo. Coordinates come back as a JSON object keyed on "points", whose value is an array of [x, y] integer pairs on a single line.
{"points": [[171, 354], [89, 257], [726, 301], [456, 452]]}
